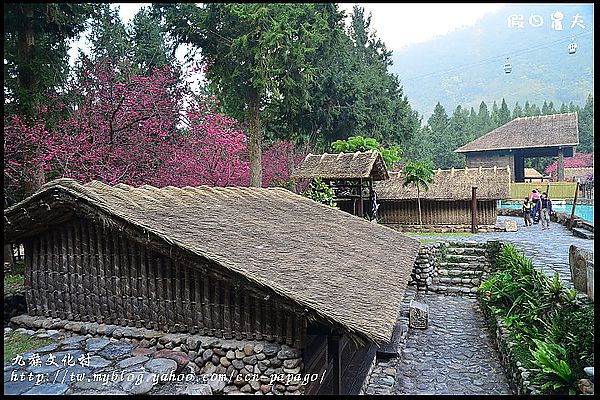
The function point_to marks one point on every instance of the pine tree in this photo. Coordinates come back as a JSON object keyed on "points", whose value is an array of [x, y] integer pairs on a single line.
{"points": [[517, 111], [504, 113], [485, 123]]}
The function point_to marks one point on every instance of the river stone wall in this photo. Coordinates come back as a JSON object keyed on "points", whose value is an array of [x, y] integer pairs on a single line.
{"points": [[451, 267], [252, 365], [14, 304]]}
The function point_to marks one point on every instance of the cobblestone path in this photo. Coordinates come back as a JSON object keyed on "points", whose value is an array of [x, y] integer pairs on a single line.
{"points": [[548, 249], [454, 355]]}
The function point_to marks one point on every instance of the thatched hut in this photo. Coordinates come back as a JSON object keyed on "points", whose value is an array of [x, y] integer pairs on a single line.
{"points": [[533, 175], [448, 200], [554, 135], [245, 263], [350, 175]]}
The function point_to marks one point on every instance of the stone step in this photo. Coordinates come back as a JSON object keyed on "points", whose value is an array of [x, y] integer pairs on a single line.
{"points": [[467, 244], [460, 273], [466, 266], [587, 225], [459, 282], [466, 250], [466, 258], [583, 233], [441, 288]]}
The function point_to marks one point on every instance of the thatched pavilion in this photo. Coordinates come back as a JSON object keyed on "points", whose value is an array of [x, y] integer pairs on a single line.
{"points": [[350, 175], [245, 263], [533, 175], [553, 135], [448, 200]]}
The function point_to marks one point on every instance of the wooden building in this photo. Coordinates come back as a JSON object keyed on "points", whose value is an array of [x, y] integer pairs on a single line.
{"points": [[350, 175], [244, 263], [553, 135], [533, 175], [448, 200]]}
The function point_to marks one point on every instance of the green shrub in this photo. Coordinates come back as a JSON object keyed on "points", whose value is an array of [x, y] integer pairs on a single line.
{"points": [[549, 328], [320, 192]]}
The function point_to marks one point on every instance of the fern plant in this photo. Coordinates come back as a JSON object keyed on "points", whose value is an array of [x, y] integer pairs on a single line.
{"points": [[555, 373]]}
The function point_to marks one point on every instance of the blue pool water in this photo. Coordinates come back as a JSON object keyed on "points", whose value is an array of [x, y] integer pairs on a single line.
{"points": [[582, 211]]}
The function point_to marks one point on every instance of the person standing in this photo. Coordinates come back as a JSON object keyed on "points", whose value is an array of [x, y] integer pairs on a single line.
{"points": [[546, 210], [527, 205], [535, 196]]}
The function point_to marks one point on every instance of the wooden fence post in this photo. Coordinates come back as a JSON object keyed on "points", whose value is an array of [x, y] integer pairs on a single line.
{"points": [[573, 208], [474, 209]]}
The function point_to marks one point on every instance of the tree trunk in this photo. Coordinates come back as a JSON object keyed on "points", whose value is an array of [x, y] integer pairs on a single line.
{"points": [[25, 78], [255, 139], [419, 205]]}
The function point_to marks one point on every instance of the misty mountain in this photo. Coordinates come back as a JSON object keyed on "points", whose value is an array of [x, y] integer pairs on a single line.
{"points": [[466, 66]]}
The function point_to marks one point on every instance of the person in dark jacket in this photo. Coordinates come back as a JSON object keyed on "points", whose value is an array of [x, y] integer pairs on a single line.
{"points": [[545, 206], [527, 206]]}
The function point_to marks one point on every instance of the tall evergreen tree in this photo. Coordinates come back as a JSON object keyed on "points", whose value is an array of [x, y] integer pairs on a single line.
{"points": [[586, 126], [35, 50], [485, 120], [495, 115], [517, 111], [504, 113]]}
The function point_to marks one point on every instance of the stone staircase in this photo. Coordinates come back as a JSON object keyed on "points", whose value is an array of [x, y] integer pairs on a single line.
{"points": [[461, 270], [584, 229]]}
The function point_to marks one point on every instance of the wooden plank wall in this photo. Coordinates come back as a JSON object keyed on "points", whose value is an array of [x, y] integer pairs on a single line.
{"points": [[85, 272], [406, 212]]}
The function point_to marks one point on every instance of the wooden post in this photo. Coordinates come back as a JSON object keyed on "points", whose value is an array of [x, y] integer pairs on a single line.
{"points": [[474, 209], [333, 344], [561, 165], [573, 208], [360, 211]]}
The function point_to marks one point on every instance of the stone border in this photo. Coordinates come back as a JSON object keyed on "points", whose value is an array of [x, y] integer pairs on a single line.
{"points": [[203, 354], [517, 374], [445, 228], [14, 304]]}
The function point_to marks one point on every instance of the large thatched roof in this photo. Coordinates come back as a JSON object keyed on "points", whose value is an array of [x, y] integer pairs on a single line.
{"points": [[451, 184], [342, 166], [540, 131], [336, 266]]}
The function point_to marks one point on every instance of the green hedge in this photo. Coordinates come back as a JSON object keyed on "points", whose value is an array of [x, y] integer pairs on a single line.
{"points": [[552, 327]]}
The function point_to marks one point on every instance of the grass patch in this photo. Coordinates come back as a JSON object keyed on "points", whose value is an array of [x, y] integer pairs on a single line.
{"points": [[18, 343], [14, 283]]}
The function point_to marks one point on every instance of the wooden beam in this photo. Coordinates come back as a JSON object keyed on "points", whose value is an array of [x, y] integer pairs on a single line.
{"points": [[561, 165], [474, 209], [334, 354]]}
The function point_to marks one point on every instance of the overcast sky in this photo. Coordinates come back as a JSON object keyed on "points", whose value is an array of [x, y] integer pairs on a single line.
{"points": [[397, 25]]}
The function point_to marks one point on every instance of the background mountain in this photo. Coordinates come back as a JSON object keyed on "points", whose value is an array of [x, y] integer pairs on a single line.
{"points": [[466, 66]]}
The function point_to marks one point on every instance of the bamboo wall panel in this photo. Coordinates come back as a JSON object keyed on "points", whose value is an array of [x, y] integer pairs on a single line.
{"points": [[90, 272], [436, 212]]}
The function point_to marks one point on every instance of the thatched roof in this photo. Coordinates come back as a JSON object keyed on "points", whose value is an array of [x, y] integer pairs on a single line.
{"points": [[342, 166], [529, 132], [451, 184], [338, 267], [533, 173]]}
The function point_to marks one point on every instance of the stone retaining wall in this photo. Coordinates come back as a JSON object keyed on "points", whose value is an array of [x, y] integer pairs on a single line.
{"points": [[444, 228], [437, 270], [14, 304], [251, 365], [558, 217]]}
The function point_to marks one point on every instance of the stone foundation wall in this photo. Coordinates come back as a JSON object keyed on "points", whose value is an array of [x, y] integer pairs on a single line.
{"points": [[246, 366], [558, 217], [14, 304], [444, 228]]}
